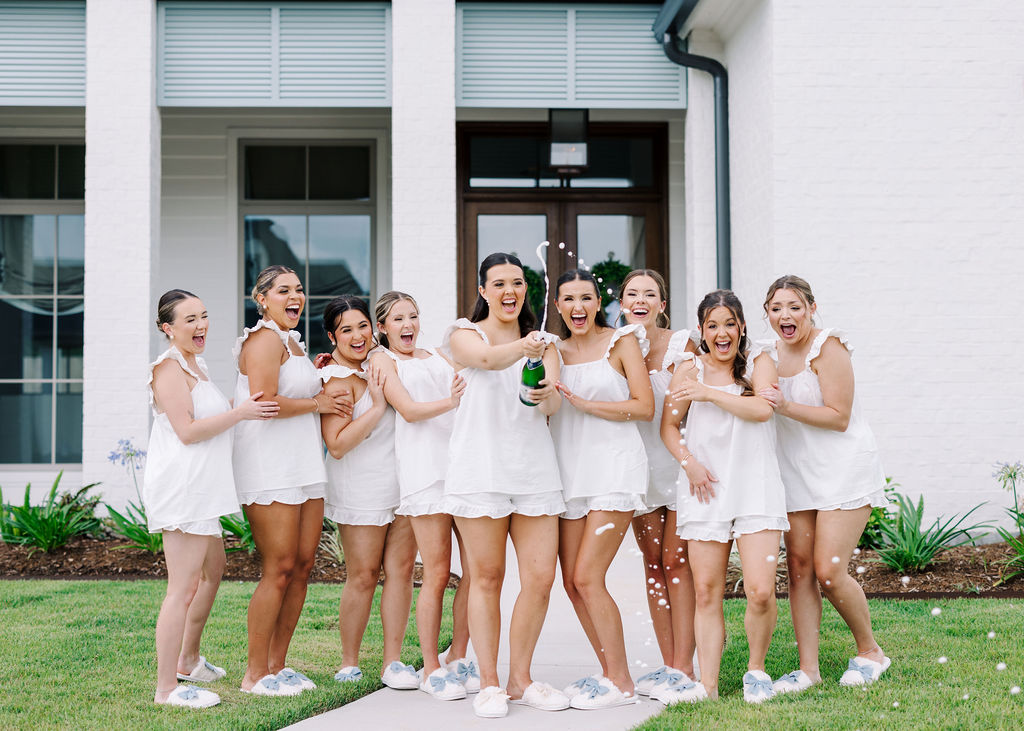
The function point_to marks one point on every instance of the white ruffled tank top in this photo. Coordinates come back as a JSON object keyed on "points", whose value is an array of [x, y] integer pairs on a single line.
{"points": [[421, 448], [740, 453], [185, 483], [498, 445], [825, 469], [275, 457], [365, 479], [597, 456]]}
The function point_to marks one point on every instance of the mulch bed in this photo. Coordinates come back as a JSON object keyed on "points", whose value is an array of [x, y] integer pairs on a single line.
{"points": [[960, 571], [92, 558]]}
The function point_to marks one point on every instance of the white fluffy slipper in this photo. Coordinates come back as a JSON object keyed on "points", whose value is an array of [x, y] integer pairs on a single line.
{"points": [[543, 697], [189, 696], [602, 695], [578, 686], [443, 685], [862, 671], [465, 670], [349, 674], [757, 686], [287, 676], [684, 692], [269, 685], [400, 676], [204, 672], [491, 702], [793, 682]]}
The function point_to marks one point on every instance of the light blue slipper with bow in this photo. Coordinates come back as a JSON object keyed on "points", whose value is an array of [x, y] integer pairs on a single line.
{"points": [[601, 694], [757, 686], [349, 674], [443, 685], [400, 676], [189, 696], [269, 685], [582, 685], [862, 671], [292, 677], [465, 670]]}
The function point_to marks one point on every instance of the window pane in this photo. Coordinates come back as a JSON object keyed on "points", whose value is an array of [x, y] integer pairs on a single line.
{"points": [[70, 254], [275, 173], [69, 422], [274, 240], [318, 341], [71, 172], [509, 162], [26, 254], [617, 162], [611, 246], [339, 255], [249, 314], [339, 173], [519, 235], [28, 326], [25, 422], [26, 171], [69, 338]]}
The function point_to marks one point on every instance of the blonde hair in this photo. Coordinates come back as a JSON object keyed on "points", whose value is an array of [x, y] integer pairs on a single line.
{"points": [[662, 319], [383, 308], [794, 283], [265, 282]]}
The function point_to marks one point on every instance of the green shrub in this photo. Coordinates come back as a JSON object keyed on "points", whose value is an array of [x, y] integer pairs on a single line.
{"points": [[133, 526], [1008, 474], [872, 535], [52, 524], [237, 525], [909, 547], [330, 541]]}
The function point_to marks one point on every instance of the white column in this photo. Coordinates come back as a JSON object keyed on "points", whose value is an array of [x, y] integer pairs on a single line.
{"points": [[423, 216], [700, 176], [122, 218]]}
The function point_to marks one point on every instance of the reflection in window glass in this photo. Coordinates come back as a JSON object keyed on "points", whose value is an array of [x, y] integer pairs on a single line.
{"points": [[274, 240], [71, 254], [339, 255], [25, 426], [612, 246], [70, 325], [68, 445], [28, 327], [27, 246]]}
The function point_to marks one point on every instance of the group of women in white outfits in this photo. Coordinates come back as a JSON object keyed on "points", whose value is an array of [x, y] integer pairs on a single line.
{"points": [[697, 439]]}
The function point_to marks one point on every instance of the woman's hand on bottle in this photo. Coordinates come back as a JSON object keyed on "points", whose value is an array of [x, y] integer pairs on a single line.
{"points": [[375, 379], [253, 408], [546, 391], [701, 480], [533, 345], [458, 388], [321, 360], [336, 403]]}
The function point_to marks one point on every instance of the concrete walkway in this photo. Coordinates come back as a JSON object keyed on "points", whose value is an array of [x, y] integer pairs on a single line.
{"points": [[563, 655]]}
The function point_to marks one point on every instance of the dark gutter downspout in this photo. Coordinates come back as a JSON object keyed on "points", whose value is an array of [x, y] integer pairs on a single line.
{"points": [[723, 227]]}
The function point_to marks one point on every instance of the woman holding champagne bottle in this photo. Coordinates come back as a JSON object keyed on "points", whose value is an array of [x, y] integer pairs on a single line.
{"points": [[502, 479]]}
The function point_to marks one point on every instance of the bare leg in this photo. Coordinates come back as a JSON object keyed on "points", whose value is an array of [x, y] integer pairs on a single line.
{"points": [[759, 587], [804, 596], [460, 608], [311, 523], [485, 540], [836, 537], [681, 601], [202, 603], [649, 530], [708, 562], [275, 528], [592, 561], [396, 596], [434, 539], [364, 550], [536, 542], [570, 536], [185, 555]]}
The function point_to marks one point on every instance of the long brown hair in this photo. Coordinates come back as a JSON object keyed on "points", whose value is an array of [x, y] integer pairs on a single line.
{"points": [[727, 299]]}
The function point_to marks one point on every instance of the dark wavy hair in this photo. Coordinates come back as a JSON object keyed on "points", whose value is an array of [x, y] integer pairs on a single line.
{"points": [[339, 306], [581, 275], [725, 298], [527, 320]]}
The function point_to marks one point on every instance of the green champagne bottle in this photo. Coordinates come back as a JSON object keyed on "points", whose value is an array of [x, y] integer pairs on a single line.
{"points": [[533, 374]]}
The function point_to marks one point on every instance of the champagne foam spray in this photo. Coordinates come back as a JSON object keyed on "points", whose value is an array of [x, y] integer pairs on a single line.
{"points": [[542, 255]]}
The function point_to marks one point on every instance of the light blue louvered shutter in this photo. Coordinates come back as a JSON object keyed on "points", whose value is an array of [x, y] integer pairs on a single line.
{"points": [[597, 56], [272, 54], [338, 55], [42, 53]]}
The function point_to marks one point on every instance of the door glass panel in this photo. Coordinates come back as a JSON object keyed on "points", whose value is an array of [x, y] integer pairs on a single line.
{"points": [[27, 247], [612, 246], [274, 240], [520, 235], [339, 255]]}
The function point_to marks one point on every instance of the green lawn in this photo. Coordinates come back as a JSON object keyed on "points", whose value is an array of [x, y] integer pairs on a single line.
{"points": [[917, 692], [79, 655]]}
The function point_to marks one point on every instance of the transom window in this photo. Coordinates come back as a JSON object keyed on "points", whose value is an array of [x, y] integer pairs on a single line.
{"points": [[42, 273], [311, 207]]}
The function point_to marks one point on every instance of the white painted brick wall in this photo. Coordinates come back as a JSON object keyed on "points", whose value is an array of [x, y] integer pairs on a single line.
{"points": [[894, 186], [122, 214], [423, 219]]}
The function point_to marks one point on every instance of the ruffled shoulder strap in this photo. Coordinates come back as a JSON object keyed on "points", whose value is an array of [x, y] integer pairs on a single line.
{"points": [[676, 347], [387, 351], [688, 357], [174, 354], [202, 366], [761, 346], [337, 371], [819, 342], [637, 330], [461, 324], [262, 324]]}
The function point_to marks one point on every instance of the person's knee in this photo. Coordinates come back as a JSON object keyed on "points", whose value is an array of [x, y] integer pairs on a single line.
{"points": [[279, 571], [538, 582], [828, 573], [487, 579], [708, 594], [800, 567], [588, 583], [760, 596], [363, 578], [181, 593]]}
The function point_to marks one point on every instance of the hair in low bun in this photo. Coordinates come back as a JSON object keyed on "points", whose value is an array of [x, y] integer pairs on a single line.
{"points": [[265, 281], [166, 306]]}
